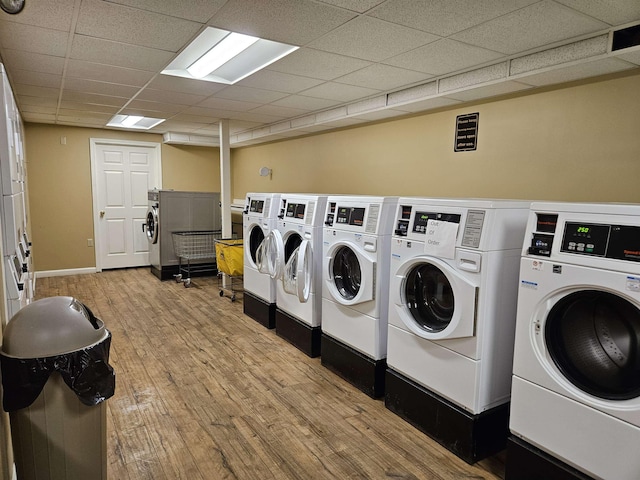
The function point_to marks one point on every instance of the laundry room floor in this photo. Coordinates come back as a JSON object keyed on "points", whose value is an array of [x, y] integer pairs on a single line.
{"points": [[204, 392]]}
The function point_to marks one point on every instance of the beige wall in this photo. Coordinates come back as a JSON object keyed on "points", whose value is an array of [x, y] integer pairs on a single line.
{"points": [[60, 197], [580, 143]]}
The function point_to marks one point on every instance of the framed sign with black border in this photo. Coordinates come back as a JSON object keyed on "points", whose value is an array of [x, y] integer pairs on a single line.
{"points": [[466, 132]]}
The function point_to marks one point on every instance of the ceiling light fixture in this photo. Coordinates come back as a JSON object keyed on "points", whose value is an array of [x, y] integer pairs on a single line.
{"points": [[232, 45], [229, 57], [134, 121]]}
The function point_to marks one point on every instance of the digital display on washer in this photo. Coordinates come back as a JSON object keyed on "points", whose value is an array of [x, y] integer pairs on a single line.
{"points": [[421, 218], [256, 206], [350, 216], [585, 238], [295, 210]]}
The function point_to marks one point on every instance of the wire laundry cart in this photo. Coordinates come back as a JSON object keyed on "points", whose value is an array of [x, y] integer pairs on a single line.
{"points": [[195, 248], [230, 261]]}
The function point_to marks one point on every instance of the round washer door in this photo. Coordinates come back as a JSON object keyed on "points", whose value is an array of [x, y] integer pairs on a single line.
{"points": [[350, 276], [255, 238], [297, 275], [433, 300], [593, 337], [270, 255], [152, 225]]}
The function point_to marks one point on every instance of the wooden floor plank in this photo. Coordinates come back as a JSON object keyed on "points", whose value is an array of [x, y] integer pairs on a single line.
{"points": [[204, 392]]}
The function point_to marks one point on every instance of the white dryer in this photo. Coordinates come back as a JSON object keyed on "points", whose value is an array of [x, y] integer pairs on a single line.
{"points": [[355, 293], [575, 408], [258, 219], [452, 309], [294, 258]]}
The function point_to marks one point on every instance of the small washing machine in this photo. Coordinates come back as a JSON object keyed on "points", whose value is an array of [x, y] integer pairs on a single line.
{"points": [[452, 309], [258, 219], [177, 211], [355, 292], [575, 407], [294, 258]]}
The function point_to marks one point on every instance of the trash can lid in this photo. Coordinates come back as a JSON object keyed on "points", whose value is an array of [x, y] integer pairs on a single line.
{"points": [[52, 326]]}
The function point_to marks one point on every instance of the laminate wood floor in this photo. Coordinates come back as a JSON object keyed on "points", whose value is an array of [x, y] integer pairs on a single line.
{"points": [[204, 392]]}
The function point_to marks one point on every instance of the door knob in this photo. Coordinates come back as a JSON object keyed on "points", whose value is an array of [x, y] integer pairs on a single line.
{"points": [[102, 212]]}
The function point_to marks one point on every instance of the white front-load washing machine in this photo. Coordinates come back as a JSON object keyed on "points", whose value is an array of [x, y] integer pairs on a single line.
{"points": [[293, 252], [452, 309], [575, 407], [355, 292], [258, 219]]}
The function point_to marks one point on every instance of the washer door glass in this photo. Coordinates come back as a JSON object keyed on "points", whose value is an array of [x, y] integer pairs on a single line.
{"points": [[151, 226], [594, 339], [298, 272], [347, 274], [429, 297], [270, 253], [256, 236]]}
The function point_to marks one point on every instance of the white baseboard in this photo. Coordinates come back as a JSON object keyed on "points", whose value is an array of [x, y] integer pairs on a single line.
{"points": [[61, 273]]}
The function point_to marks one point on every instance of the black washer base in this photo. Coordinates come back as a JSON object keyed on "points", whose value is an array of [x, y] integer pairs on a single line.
{"points": [[361, 371], [301, 335], [262, 312], [470, 437], [526, 462]]}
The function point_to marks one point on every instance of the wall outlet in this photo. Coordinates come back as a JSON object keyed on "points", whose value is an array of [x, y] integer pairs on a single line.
{"points": [[89, 242]]}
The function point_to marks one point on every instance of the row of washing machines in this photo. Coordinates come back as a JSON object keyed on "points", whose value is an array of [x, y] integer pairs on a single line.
{"points": [[481, 322]]}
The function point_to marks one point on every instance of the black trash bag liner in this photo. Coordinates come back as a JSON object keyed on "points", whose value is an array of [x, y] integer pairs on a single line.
{"points": [[87, 372]]}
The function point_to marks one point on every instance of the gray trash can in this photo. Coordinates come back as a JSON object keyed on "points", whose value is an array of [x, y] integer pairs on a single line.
{"points": [[55, 377]]}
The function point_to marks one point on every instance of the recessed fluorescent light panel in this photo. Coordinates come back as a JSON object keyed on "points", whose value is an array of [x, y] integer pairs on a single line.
{"points": [[134, 121], [226, 57]]}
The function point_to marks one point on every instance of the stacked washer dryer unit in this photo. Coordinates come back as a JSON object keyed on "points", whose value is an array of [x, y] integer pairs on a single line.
{"points": [[355, 294], [575, 409], [259, 218], [19, 277], [453, 291], [177, 211], [294, 258]]}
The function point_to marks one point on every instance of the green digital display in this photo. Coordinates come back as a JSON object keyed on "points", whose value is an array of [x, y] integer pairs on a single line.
{"points": [[583, 229]]}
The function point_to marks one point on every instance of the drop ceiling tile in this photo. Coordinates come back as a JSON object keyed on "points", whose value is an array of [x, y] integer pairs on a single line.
{"points": [[383, 77], [228, 104], [576, 72], [138, 27], [540, 24], [613, 12], [48, 110], [161, 107], [53, 14], [196, 10], [280, 82], [486, 91], [119, 54], [33, 91], [103, 118], [279, 111], [200, 119], [177, 98], [26, 77], [295, 22], [359, 6], [442, 57], [304, 104], [107, 73], [260, 118], [89, 107], [39, 117], [186, 85], [33, 39], [317, 64], [36, 62], [380, 115], [90, 98], [247, 94], [479, 76], [339, 92], [372, 39], [36, 101], [241, 125], [632, 56], [445, 17], [178, 126], [100, 88]]}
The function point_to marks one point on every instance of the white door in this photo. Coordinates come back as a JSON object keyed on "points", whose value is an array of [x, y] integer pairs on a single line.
{"points": [[122, 173]]}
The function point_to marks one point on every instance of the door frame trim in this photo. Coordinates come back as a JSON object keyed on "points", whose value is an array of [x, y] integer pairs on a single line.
{"points": [[93, 144]]}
